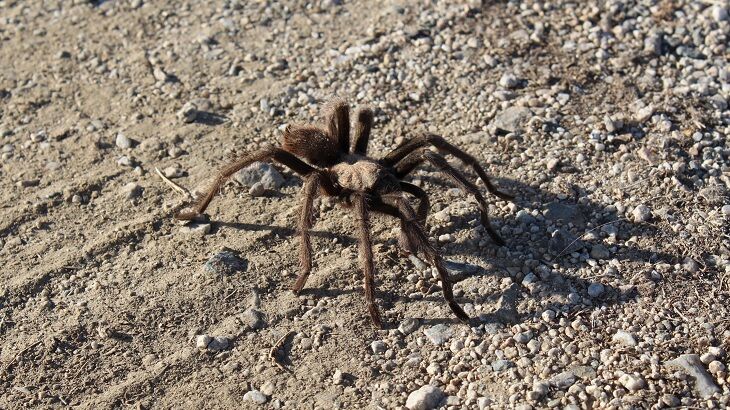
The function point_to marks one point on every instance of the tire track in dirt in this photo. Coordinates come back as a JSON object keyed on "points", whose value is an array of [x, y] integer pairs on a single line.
{"points": [[29, 284], [27, 213]]}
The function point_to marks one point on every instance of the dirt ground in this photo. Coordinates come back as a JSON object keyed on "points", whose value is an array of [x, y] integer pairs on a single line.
{"points": [[103, 296]]}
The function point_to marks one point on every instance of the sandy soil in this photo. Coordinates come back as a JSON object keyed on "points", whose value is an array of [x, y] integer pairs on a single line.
{"points": [[103, 294]]}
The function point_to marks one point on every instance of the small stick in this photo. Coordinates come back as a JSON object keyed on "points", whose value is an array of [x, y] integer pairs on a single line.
{"points": [[21, 353], [275, 348], [174, 186]]}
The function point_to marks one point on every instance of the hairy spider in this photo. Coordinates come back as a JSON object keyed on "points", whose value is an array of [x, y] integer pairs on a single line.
{"points": [[333, 165]]}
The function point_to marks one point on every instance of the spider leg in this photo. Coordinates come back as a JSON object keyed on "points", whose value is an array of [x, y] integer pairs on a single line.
{"points": [[404, 241], [439, 162], [364, 124], [399, 153], [277, 154], [416, 235], [366, 255], [423, 203], [306, 220], [338, 123]]}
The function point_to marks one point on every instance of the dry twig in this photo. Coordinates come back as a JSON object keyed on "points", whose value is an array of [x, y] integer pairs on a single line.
{"points": [[275, 348], [174, 186]]}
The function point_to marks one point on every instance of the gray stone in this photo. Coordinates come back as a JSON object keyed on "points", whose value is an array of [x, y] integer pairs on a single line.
{"points": [[599, 252], [524, 217], [255, 396], [725, 210], [523, 337], [219, 343], [513, 119], [595, 289], [641, 213], [501, 364], [253, 318], [671, 400], [337, 377], [378, 347], [262, 172], [408, 326], [691, 364], [173, 172], [459, 267], [188, 113], [509, 80], [563, 380], [438, 334], [202, 341], [123, 142], [160, 74], [225, 263], [426, 398], [417, 263]]}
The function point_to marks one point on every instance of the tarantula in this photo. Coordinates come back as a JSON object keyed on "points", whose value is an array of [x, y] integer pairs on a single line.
{"points": [[333, 165]]}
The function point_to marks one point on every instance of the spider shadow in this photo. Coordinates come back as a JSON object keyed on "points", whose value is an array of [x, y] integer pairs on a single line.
{"points": [[209, 118], [282, 231], [564, 237]]}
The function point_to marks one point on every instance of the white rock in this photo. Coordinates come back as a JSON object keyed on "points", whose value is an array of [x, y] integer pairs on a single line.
{"points": [[691, 364], [195, 229], [408, 326], [508, 80], [257, 189], [632, 382], [625, 338], [548, 315], [337, 378], [425, 398], [438, 334], [726, 210], [378, 347], [202, 341], [123, 142], [707, 358], [255, 396], [641, 213], [716, 367]]}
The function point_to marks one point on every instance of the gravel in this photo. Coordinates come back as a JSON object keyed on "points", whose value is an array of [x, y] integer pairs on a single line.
{"points": [[608, 121]]}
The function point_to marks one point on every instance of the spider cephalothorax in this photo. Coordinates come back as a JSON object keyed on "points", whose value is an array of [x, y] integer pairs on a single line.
{"points": [[333, 165]]}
